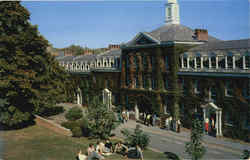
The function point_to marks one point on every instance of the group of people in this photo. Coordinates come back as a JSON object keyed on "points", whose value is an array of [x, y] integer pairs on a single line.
{"points": [[107, 149], [169, 124], [149, 119], [125, 116]]}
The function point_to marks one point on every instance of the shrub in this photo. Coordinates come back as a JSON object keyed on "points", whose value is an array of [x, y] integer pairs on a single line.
{"points": [[73, 114], [138, 137], [51, 111], [84, 125], [70, 124], [76, 132]]}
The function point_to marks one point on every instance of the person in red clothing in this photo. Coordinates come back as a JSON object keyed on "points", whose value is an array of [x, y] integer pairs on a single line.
{"points": [[206, 125]]}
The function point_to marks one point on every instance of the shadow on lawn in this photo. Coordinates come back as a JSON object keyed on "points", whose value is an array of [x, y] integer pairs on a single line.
{"points": [[171, 156]]}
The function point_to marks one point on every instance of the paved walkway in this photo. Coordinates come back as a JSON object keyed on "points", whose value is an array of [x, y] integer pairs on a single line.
{"points": [[169, 141]]}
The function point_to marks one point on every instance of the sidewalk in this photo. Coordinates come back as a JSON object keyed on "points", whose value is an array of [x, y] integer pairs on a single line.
{"points": [[185, 137]]}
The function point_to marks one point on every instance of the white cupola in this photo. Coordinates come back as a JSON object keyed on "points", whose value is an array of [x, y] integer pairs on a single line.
{"points": [[172, 12]]}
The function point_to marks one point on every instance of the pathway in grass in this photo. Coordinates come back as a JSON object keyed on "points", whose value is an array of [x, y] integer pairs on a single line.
{"points": [[39, 143]]}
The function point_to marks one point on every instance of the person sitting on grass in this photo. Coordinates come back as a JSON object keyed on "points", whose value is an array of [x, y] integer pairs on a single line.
{"points": [[135, 152], [92, 154], [81, 156], [108, 146], [121, 149]]}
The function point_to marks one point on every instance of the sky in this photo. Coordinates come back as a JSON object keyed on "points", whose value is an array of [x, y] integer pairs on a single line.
{"points": [[96, 24]]}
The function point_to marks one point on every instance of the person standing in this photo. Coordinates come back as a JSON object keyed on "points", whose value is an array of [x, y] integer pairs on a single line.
{"points": [[206, 125], [178, 126], [127, 114], [154, 119]]}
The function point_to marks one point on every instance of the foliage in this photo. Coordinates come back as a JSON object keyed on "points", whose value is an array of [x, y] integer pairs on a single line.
{"points": [[77, 132], [70, 124], [31, 79], [101, 120], [245, 154], [195, 148], [74, 113], [84, 125], [136, 138], [51, 111]]}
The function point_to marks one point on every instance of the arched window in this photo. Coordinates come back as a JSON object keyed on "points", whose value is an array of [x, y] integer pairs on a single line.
{"points": [[213, 62], [247, 61], [229, 61], [198, 62], [185, 62]]}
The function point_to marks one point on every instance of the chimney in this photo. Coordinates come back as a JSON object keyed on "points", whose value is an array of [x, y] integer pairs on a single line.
{"points": [[114, 46], [201, 34], [87, 52]]}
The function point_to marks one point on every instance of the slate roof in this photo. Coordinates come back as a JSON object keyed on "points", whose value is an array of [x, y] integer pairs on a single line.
{"points": [[176, 32], [113, 52], [223, 45], [66, 58], [89, 57]]}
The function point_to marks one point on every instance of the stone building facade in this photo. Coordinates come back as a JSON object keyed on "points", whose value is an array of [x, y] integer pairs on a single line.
{"points": [[175, 71]]}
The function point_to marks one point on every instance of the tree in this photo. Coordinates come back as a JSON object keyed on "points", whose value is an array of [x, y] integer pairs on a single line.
{"points": [[195, 148], [136, 138], [101, 120], [31, 79]]}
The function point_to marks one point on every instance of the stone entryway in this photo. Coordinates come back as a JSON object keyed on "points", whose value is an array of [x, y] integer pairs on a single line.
{"points": [[212, 115]]}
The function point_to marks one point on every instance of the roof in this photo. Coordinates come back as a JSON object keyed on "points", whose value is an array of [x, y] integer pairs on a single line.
{"points": [[176, 32], [223, 45], [89, 57], [113, 52]]}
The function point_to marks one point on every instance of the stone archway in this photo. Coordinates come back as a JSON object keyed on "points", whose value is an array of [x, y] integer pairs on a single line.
{"points": [[210, 108], [107, 97], [79, 96]]}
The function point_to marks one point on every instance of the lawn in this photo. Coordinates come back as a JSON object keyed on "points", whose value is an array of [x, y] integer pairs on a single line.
{"points": [[39, 143]]}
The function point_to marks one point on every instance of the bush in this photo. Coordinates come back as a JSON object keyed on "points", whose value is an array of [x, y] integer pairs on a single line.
{"points": [[76, 132], [73, 114], [51, 111], [70, 124], [84, 125], [136, 138]]}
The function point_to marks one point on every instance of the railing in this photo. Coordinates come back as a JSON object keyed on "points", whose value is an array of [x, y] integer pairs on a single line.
{"points": [[224, 70]]}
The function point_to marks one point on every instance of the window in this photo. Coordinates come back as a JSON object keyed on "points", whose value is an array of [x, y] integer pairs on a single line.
{"points": [[228, 118], [229, 88], [198, 62], [196, 86], [153, 83], [169, 12], [145, 64], [152, 61], [239, 62], [229, 62], [166, 84], [136, 82], [191, 63], [246, 91], [247, 61], [166, 62], [213, 93], [222, 62], [127, 61], [185, 62], [213, 62], [144, 81]]}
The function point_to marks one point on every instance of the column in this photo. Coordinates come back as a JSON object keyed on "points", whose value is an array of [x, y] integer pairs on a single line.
{"points": [[182, 63], [209, 63], [187, 62], [217, 62], [137, 114], [217, 123], [195, 64], [233, 62], [201, 62], [220, 126], [244, 62], [226, 62], [204, 118]]}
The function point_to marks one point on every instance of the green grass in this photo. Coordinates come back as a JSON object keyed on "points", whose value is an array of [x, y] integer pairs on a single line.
{"points": [[39, 143]]}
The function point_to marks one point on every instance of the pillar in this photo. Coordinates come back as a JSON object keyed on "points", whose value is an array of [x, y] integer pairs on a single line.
{"points": [[209, 63], [204, 118], [217, 62], [220, 126], [195, 64], [244, 62], [225, 62], [182, 63], [217, 123], [187, 62], [233, 62], [201, 62], [137, 113]]}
